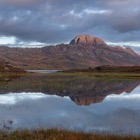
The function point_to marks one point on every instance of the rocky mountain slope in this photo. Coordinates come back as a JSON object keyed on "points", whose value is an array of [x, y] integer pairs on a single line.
{"points": [[82, 52]]}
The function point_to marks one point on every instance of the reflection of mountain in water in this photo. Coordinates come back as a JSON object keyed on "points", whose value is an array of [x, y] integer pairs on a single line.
{"points": [[82, 90], [102, 89]]}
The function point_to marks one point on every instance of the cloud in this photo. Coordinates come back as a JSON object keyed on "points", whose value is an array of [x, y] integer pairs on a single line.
{"points": [[21, 3], [53, 21]]}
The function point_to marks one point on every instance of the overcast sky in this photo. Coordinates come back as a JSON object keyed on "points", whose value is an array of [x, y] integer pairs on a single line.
{"points": [[44, 22]]}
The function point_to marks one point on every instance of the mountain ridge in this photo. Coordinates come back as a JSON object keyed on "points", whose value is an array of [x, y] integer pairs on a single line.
{"points": [[82, 52]]}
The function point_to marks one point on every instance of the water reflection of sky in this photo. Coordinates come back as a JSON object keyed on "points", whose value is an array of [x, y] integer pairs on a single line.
{"points": [[116, 113], [43, 71], [13, 98]]}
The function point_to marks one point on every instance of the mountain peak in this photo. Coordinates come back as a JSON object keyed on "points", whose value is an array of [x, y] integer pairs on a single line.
{"points": [[86, 39]]}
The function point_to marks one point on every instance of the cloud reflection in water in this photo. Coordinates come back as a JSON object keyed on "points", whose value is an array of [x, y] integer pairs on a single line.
{"points": [[116, 114]]}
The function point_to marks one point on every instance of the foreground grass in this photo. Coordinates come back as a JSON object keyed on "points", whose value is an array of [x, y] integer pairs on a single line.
{"points": [[55, 134]]}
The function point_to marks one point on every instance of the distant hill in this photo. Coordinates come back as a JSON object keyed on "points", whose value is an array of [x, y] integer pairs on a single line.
{"points": [[82, 52]]}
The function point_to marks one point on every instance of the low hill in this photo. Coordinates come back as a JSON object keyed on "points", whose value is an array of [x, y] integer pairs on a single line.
{"points": [[107, 68], [5, 67]]}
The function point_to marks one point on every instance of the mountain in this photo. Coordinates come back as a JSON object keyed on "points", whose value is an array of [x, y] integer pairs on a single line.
{"points": [[82, 52]]}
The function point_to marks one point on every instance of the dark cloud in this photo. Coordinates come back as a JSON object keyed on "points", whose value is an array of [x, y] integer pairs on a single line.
{"points": [[57, 21]]}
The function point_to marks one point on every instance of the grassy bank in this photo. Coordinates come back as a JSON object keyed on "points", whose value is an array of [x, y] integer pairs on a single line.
{"points": [[55, 134], [62, 75]]}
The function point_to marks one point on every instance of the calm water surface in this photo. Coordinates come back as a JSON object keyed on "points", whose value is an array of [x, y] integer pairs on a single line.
{"points": [[43, 71], [118, 110]]}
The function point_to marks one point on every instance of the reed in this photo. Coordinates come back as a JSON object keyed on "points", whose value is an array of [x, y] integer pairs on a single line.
{"points": [[54, 134]]}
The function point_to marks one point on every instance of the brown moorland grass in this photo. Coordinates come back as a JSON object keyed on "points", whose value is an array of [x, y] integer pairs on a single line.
{"points": [[54, 134], [108, 68]]}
